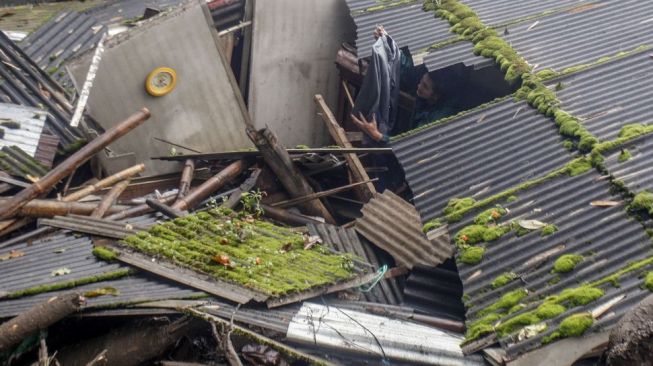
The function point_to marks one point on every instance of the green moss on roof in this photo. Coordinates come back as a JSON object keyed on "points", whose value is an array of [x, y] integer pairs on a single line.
{"points": [[431, 225], [70, 284], [244, 250], [566, 263], [576, 296], [643, 201], [624, 156], [504, 279], [489, 216], [104, 253], [506, 302], [12, 125], [472, 255], [572, 326], [549, 230]]}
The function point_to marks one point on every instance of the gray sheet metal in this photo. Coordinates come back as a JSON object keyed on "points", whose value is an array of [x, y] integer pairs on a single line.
{"points": [[637, 172], [117, 11], [23, 82], [607, 237], [459, 52], [478, 154], [611, 95], [498, 12], [436, 291], [583, 36], [394, 225], [409, 26], [27, 135], [387, 291], [376, 337]]}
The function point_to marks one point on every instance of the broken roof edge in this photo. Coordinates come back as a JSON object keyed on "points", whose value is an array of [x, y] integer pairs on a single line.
{"points": [[380, 7]]}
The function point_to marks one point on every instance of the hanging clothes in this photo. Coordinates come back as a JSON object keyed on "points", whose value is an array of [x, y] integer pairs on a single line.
{"points": [[379, 94]]}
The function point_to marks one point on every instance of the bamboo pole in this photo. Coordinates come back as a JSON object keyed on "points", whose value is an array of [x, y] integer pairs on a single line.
{"points": [[106, 182], [186, 178], [213, 184], [50, 208], [136, 210], [110, 198], [73, 162]]}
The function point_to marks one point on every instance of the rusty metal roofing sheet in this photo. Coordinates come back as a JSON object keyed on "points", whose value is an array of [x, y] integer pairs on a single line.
{"points": [[387, 291], [498, 12], [24, 83], [21, 126], [46, 149], [611, 95], [478, 154], [16, 162], [409, 26], [606, 236], [394, 225], [584, 35], [67, 34], [378, 338]]}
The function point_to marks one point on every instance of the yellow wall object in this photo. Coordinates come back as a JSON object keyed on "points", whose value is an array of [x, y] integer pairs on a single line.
{"points": [[161, 81]]}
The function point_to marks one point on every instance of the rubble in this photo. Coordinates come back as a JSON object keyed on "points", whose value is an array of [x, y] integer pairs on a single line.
{"points": [[179, 185]]}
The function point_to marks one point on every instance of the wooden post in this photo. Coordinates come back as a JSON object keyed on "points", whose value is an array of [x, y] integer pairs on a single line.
{"points": [[365, 192], [164, 209], [278, 159], [137, 210], [110, 198], [186, 178], [73, 162]]}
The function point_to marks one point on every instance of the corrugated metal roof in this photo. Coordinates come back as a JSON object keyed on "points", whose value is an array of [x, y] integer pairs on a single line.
{"points": [[498, 12], [343, 240], [611, 95], [583, 35], [64, 36], [378, 338], [408, 25], [456, 53], [636, 173], [478, 154], [607, 238], [18, 163], [133, 289], [22, 127], [24, 83], [394, 225], [117, 11], [227, 13]]}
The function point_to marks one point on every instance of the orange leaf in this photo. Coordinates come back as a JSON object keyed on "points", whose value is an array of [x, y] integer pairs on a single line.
{"points": [[222, 259]]}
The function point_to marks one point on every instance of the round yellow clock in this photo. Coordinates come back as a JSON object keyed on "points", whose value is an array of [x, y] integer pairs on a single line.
{"points": [[161, 81]]}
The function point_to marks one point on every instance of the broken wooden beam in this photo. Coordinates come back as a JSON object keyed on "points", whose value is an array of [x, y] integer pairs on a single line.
{"points": [[137, 210], [358, 173], [110, 199], [39, 317], [48, 181], [278, 159], [171, 212], [186, 178], [287, 217], [210, 186], [49, 208]]}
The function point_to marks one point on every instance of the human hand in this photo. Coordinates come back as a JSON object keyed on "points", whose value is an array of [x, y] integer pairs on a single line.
{"points": [[368, 127], [379, 31]]}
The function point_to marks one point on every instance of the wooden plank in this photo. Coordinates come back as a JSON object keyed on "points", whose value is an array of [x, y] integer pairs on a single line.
{"points": [[364, 192]]}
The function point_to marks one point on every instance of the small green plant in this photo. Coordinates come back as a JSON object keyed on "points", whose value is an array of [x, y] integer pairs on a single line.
{"points": [[251, 202]]}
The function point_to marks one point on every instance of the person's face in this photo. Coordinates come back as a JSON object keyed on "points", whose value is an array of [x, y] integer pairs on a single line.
{"points": [[425, 87]]}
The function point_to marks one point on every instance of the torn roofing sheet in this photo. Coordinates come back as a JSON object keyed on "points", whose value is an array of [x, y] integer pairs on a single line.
{"points": [[18, 163], [611, 95], [345, 240], [380, 339], [477, 154], [436, 291], [606, 239], [394, 225], [583, 36]]}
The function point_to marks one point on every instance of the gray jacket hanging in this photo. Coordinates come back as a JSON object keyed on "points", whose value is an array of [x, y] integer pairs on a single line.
{"points": [[379, 93]]}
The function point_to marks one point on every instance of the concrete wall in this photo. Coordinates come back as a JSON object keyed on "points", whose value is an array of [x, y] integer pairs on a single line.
{"points": [[293, 52], [204, 112]]}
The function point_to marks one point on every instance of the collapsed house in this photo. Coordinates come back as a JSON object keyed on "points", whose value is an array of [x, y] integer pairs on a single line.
{"points": [[195, 231]]}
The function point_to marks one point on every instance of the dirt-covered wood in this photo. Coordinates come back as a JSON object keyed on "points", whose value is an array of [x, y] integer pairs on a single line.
{"points": [[631, 341], [39, 317]]}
